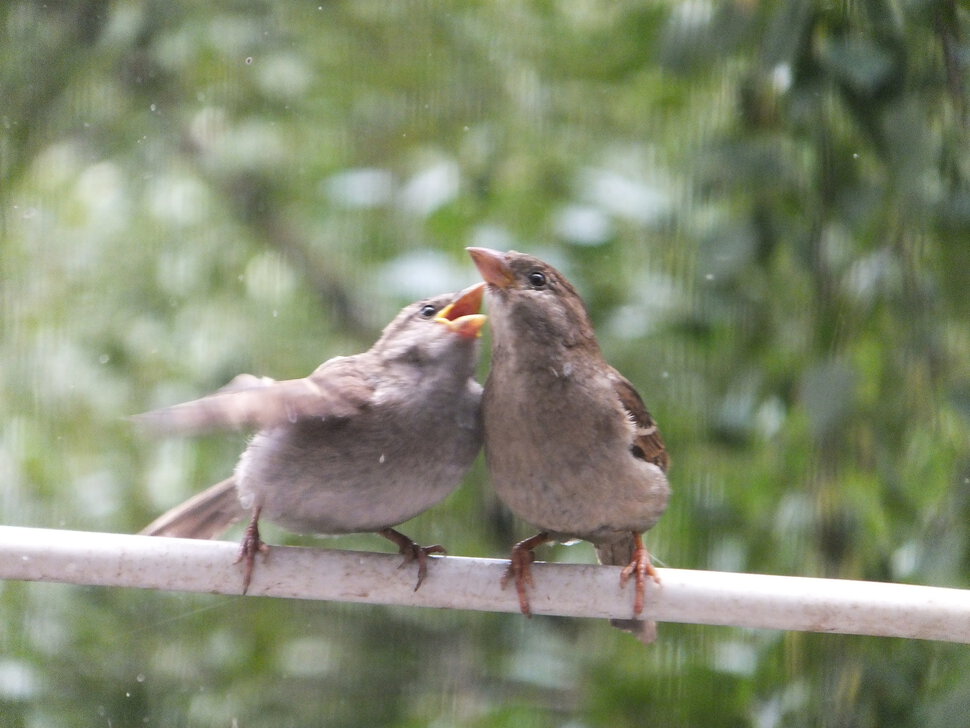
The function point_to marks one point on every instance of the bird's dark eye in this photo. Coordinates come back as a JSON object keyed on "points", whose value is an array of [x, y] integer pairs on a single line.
{"points": [[427, 310], [537, 279]]}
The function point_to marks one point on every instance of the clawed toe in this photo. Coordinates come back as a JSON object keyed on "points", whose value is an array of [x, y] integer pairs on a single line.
{"points": [[520, 569], [640, 566], [420, 554], [412, 551], [251, 545]]}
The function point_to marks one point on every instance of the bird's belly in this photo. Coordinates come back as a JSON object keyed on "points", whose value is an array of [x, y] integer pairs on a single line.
{"points": [[564, 463], [327, 492], [630, 499]]}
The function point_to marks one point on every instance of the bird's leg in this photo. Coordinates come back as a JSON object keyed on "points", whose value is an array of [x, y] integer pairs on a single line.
{"points": [[520, 568], [642, 567], [251, 545], [412, 552]]}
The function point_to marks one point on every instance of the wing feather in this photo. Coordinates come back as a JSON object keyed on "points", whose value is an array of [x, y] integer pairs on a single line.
{"points": [[648, 443], [337, 389]]}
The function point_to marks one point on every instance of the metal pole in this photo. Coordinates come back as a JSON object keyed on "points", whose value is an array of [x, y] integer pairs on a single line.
{"points": [[700, 597]]}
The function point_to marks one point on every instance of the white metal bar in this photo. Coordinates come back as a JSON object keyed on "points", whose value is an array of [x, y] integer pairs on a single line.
{"points": [[700, 597]]}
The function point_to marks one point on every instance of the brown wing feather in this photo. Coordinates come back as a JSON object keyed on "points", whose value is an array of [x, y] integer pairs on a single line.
{"points": [[338, 388], [648, 442]]}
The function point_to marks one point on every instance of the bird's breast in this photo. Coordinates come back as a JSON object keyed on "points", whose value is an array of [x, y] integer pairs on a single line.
{"points": [[561, 460]]}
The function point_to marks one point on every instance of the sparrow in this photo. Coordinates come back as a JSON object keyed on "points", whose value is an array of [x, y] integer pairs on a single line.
{"points": [[570, 446], [364, 443]]}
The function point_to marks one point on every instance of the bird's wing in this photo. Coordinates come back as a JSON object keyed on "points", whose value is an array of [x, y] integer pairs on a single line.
{"points": [[648, 444], [337, 389]]}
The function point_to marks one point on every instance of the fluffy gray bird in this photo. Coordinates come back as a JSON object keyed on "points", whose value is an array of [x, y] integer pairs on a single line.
{"points": [[362, 444], [570, 446]]}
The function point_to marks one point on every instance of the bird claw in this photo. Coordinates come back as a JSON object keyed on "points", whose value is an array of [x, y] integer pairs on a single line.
{"points": [[520, 571], [412, 551], [641, 566], [251, 545]]}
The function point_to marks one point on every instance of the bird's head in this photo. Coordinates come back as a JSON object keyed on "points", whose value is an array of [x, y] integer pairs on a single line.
{"points": [[426, 330], [530, 299]]}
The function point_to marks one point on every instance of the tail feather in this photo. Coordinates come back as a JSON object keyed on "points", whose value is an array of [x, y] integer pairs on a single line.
{"points": [[620, 553], [644, 630], [206, 515]]}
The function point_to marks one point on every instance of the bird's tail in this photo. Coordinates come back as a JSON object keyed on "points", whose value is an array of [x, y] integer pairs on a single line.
{"points": [[620, 553], [206, 515]]}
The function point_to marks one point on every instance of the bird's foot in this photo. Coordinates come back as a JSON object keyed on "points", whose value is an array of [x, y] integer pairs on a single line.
{"points": [[520, 569], [251, 545], [642, 567], [412, 551]]}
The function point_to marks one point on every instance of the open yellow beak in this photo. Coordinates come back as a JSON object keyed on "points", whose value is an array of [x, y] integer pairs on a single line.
{"points": [[461, 315]]}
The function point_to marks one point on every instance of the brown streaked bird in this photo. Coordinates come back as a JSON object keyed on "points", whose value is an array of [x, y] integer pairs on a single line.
{"points": [[571, 448], [362, 444]]}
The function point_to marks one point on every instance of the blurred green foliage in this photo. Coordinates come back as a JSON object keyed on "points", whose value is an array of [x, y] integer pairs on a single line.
{"points": [[766, 205]]}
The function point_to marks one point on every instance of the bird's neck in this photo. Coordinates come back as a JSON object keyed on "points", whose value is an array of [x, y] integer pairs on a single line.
{"points": [[558, 359], [443, 370]]}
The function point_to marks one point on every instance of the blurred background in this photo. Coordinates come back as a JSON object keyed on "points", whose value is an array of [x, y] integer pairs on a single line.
{"points": [[767, 209]]}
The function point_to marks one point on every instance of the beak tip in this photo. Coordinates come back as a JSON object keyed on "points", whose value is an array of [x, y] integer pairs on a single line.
{"points": [[493, 266], [466, 305], [474, 295]]}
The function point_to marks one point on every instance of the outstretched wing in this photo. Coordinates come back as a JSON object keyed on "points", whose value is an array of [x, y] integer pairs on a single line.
{"points": [[337, 389], [648, 444]]}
